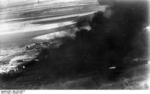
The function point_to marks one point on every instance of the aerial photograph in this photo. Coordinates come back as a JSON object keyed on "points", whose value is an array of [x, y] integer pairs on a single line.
{"points": [[74, 44]]}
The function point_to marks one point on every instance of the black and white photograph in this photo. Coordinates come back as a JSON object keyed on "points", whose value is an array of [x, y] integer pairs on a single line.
{"points": [[74, 45]]}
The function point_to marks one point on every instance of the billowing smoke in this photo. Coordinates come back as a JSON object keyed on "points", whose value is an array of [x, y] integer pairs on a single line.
{"points": [[107, 46], [117, 38]]}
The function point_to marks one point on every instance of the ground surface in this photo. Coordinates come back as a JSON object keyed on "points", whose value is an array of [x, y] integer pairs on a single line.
{"points": [[93, 52]]}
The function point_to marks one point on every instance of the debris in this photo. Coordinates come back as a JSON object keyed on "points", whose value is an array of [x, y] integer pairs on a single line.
{"points": [[112, 67]]}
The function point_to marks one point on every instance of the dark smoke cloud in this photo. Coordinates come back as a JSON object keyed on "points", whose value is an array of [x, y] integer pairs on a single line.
{"points": [[116, 39]]}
